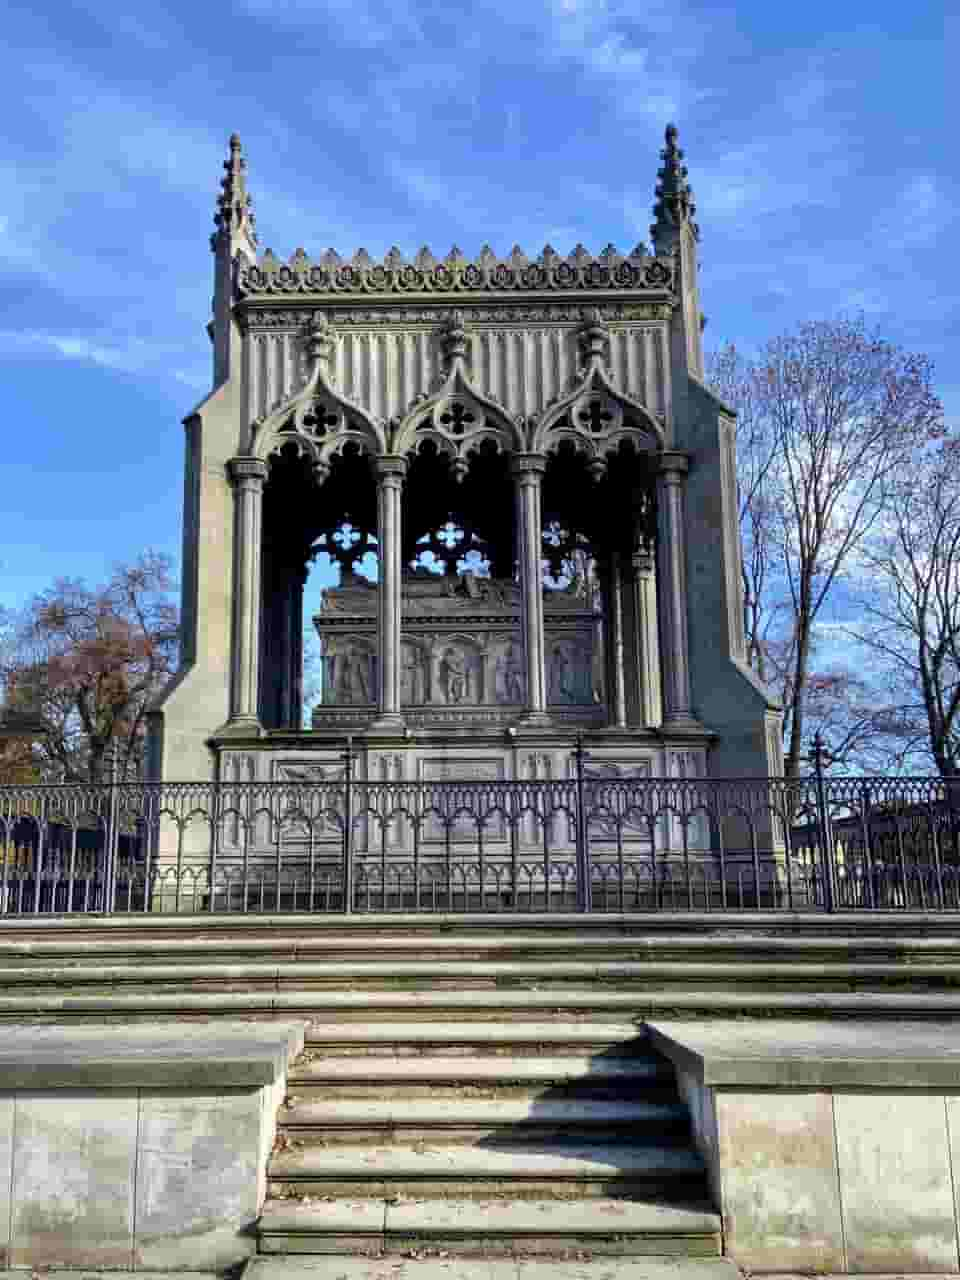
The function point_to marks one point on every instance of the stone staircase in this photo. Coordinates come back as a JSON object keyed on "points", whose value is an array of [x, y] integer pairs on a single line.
{"points": [[481, 1087], [478, 1138]]}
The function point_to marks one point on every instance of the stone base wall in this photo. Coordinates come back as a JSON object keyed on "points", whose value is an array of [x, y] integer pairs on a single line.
{"points": [[127, 1177], [857, 1172]]}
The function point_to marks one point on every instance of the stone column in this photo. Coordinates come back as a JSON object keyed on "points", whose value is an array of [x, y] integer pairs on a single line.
{"points": [[647, 640], [390, 473], [247, 475], [528, 469], [673, 591], [618, 703]]}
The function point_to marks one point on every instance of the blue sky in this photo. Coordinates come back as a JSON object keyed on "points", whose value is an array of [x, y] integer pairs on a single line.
{"points": [[818, 140]]}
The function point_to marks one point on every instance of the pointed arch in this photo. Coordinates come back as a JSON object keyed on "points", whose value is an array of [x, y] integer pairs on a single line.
{"points": [[320, 422], [597, 417], [458, 419]]}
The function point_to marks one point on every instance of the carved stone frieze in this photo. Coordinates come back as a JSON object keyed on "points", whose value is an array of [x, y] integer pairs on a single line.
{"points": [[455, 274], [260, 317], [460, 650]]}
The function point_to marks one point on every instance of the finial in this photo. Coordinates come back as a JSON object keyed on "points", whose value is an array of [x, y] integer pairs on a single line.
{"points": [[319, 341], [594, 336], [674, 204], [454, 340], [234, 213]]}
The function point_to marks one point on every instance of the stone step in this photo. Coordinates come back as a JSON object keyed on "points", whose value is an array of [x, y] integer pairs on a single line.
{"points": [[422, 1264], [434, 1038], [543, 1001], [286, 928], [555, 1170], [642, 976], [604, 1227], [636, 1071], [638, 939], [472, 1119]]}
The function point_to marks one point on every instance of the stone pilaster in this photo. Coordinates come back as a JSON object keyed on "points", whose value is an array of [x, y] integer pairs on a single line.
{"points": [[646, 637], [673, 592], [390, 473], [248, 476], [618, 702], [528, 469]]}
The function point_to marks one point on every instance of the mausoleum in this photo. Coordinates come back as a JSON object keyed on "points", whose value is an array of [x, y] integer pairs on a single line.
{"points": [[525, 449]]}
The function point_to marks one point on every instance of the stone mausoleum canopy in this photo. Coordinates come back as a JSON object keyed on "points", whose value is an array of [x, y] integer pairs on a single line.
{"points": [[513, 470]]}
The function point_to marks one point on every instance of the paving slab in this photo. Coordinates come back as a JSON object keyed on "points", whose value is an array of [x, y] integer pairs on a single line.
{"points": [[822, 1055], [176, 1055]]}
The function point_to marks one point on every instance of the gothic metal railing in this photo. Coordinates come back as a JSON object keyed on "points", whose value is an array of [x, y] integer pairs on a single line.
{"points": [[587, 842]]}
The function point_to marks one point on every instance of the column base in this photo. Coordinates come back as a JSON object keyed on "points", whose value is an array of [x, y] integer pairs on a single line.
{"points": [[684, 722], [390, 724], [241, 727], [533, 721]]}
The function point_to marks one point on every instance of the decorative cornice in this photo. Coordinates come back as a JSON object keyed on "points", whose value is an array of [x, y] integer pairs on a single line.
{"points": [[297, 313], [454, 274]]}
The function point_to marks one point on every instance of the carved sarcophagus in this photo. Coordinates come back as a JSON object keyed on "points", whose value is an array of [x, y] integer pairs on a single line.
{"points": [[461, 656]]}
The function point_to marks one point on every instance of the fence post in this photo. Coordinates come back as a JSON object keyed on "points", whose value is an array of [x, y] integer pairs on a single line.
{"points": [[348, 826], [820, 757], [113, 828], [584, 886]]}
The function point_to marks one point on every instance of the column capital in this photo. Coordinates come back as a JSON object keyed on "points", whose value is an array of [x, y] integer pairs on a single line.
{"points": [[643, 559], [528, 464], [246, 468], [390, 466], [673, 465]]}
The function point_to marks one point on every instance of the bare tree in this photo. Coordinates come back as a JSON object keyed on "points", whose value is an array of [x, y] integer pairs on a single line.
{"points": [[759, 497], [913, 606], [833, 415], [89, 662]]}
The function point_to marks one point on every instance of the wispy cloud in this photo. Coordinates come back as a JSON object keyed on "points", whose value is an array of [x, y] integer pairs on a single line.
{"points": [[124, 355]]}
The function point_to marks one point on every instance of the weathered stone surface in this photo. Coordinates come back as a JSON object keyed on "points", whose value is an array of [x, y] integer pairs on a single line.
{"points": [[196, 1197], [6, 1157], [492, 1269], [895, 1182], [74, 1158], [701, 1105], [779, 1180], [816, 1055], [219, 1055]]}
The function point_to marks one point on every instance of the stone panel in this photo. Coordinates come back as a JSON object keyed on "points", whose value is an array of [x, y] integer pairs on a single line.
{"points": [[7, 1105], [197, 1178], [780, 1204], [895, 1182], [73, 1176]]}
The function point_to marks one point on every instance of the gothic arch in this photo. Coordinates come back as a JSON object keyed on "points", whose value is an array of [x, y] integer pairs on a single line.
{"points": [[319, 421], [457, 418], [596, 418]]}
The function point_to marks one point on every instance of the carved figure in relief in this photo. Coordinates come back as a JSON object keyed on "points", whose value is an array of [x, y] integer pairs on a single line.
{"points": [[510, 674], [453, 674], [566, 679], [354, 684], [413, 676]]}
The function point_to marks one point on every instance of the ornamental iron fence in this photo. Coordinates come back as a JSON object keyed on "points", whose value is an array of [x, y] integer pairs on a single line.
{"points": [[586, 843]]}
